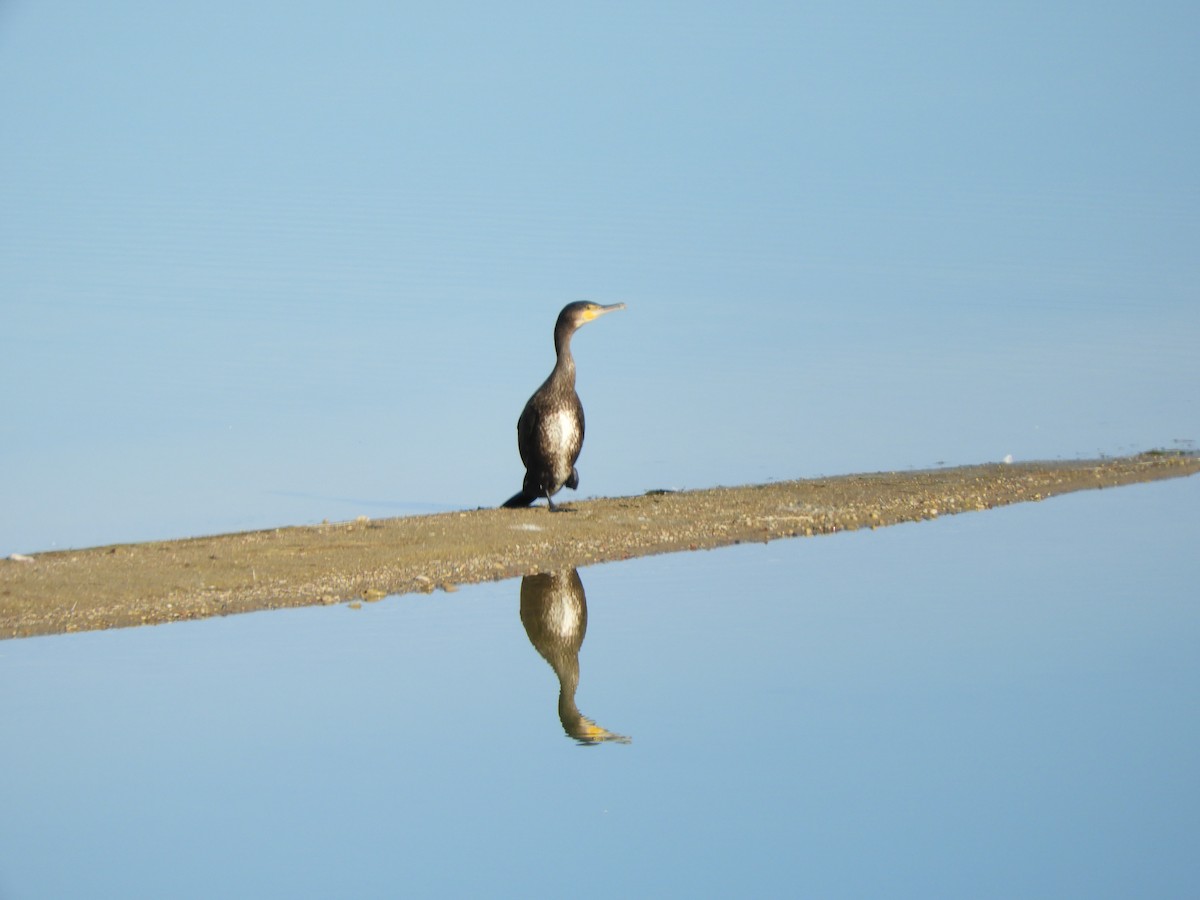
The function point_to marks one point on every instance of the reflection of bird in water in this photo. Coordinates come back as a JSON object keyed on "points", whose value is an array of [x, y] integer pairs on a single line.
{"points": [[550, 430], [554, 613]]}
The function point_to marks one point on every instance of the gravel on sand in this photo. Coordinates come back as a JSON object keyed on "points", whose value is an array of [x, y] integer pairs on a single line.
{"points": [[162, 581]]}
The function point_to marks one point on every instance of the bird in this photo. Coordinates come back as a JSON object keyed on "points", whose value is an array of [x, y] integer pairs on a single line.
{"points": [[554, 613], [550, 429]]}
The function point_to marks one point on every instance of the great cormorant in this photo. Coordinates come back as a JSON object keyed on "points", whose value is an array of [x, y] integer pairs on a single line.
{"points": [[554, 613], [550, 430]]}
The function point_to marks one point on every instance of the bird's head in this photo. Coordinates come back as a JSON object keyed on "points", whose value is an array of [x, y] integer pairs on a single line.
{"points": [[575, 314]]}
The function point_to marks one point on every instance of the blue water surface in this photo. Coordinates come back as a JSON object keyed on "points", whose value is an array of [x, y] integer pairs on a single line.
{"points": [[268, 264], [273, 263], [994, 704]]}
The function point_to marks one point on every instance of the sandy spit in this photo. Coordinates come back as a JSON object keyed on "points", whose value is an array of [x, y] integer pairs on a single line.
{"points": [[162, 581]]}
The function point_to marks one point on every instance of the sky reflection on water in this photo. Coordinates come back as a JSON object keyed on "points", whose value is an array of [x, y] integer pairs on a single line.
{"points": [[993, 704]]}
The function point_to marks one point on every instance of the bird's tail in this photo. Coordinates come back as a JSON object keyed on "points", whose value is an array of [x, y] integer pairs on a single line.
{"points": [[519, 499]]}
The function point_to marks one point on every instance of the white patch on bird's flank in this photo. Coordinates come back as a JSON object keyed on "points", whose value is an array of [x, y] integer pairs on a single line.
{"points": [[562, 432], [561, 427]]}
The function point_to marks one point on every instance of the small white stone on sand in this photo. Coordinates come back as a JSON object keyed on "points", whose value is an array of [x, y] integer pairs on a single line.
{"points": [[528, 526], [1007, 459]]}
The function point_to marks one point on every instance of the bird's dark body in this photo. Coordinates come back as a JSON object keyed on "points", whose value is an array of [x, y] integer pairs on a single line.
{"points": [[550, 429], [549, 438], [554, 613]]}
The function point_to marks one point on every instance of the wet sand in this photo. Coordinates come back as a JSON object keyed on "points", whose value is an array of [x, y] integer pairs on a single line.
{"points": [[162, 581]]}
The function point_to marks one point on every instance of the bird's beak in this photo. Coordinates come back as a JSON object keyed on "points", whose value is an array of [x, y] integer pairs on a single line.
{"points": [[596, 311]]}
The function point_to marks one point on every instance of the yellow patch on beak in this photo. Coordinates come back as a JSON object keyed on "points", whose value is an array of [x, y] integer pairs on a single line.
{"points": [[594, 312]]}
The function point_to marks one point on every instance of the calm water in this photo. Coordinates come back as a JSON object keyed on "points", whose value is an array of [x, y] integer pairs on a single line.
{"points": [[279, 263], [993, 705], [276, 263]]}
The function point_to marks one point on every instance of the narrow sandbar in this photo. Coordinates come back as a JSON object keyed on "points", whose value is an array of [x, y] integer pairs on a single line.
{"points": [[162, 581]]}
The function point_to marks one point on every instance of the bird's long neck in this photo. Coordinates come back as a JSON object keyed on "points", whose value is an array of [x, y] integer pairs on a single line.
{"points": [[564, 368]]}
